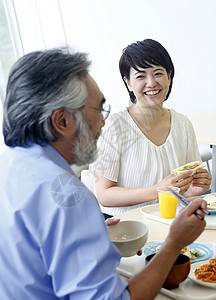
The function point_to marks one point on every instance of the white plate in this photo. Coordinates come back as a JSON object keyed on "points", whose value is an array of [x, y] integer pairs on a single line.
{"points": [[153, 212], [192, 275], [188, 290]]}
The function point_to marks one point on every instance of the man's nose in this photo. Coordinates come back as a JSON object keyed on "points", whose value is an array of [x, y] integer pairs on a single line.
{"points": [[102, 123]]}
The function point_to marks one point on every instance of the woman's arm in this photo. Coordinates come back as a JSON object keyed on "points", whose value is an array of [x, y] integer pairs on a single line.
{"points": [[109, 194]]}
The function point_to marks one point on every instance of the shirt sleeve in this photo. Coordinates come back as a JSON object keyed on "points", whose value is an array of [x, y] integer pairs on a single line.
{"points": [[109, 150], [76, 250]]}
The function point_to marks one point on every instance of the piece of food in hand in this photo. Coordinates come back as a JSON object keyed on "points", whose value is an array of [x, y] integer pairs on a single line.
{"points": [[211, 201], [192, 166]]}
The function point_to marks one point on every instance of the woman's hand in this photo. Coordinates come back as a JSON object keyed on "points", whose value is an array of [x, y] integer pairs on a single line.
{"points": [[201, 183], [182, 181]]}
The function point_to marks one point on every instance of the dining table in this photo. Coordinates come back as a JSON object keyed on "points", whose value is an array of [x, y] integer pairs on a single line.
{"points": [[204, 123], [159, 230]]}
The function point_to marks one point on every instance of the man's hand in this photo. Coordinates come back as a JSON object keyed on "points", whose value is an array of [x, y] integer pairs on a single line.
{"points": [[111, 221], [187, 226]]}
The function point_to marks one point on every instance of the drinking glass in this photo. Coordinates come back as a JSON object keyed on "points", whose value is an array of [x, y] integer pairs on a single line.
{"points": [[167, 202]]}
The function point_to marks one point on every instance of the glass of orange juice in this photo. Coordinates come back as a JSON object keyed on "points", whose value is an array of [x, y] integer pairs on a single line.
{"points": [[167, 202]]}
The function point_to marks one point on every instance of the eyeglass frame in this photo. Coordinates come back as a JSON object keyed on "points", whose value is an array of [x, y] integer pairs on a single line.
{"points": [[105, 111]]}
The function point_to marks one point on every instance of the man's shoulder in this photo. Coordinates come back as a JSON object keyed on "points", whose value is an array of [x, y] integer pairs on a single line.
{"points": [[34, 162]]}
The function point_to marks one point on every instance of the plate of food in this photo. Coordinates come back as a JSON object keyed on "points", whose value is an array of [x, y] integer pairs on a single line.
{"points": [[204, 273], [211, 202], [196, 251]]}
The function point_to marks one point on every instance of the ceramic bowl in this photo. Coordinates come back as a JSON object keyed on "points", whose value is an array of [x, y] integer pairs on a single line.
{"points": [[128, 236], [178, 273]]}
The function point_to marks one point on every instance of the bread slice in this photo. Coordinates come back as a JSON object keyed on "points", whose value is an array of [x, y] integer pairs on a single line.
{"points": [[192, 166]]}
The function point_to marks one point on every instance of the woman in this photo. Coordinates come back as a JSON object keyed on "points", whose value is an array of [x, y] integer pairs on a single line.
{"points": [[141, 145]]}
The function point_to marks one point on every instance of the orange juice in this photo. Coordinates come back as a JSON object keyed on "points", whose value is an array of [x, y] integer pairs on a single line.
{"points": [[167, 203]]}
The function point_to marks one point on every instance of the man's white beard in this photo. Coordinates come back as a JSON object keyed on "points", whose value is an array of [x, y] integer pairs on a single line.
{"points": [[84, 153], [85, 147]]}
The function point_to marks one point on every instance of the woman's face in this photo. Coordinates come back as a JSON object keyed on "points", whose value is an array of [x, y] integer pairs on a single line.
{"points": [[150, 85]]}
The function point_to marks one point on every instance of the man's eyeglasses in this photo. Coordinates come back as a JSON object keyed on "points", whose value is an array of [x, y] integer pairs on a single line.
{"points": [[105, 110]]}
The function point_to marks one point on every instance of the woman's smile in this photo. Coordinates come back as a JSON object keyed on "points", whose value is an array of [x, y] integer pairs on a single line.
{"points": [[149, 83], [152, 92]]}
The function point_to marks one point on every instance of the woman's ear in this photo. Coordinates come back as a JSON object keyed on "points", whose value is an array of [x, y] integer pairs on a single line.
{"points": [[127, 81], [62, 121]]}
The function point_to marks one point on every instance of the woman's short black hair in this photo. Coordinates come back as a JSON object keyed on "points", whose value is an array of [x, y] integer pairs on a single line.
{"points": [[144, 54]]}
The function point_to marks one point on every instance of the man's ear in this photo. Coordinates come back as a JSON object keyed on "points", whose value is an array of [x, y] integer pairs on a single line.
{"points": [[62, 121]]}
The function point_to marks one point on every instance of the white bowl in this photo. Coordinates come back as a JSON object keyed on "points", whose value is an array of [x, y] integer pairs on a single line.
{"points": [[128, 236]]}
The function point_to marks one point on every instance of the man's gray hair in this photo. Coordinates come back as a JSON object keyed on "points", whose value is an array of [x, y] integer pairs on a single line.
{"points": [[39, 83]]}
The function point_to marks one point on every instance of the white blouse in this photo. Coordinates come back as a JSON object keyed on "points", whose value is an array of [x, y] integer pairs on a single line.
{"points": [[128, 157]]}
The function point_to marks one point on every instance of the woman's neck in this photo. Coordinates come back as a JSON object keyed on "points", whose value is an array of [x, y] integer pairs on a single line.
{"points": [[147, 117], [155, 123]]}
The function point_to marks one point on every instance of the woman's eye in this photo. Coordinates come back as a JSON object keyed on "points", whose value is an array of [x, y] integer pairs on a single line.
{"points": [[140, 76]]}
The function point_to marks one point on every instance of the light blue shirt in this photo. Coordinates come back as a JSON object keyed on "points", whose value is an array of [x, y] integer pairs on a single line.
{"points": [[54, 242]]}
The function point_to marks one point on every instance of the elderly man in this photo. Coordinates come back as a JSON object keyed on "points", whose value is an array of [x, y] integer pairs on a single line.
{"points": [[53, 238]]}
